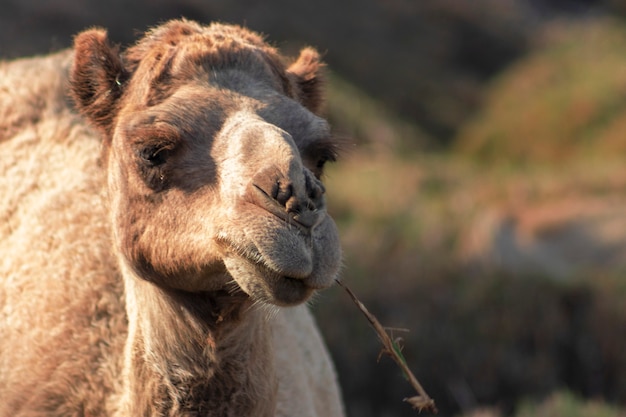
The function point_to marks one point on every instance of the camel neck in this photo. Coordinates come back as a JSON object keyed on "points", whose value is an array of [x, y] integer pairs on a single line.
{"points": [[196, 354]]}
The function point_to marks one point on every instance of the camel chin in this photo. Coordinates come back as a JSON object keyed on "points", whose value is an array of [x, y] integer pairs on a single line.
{"points": [[265, 285], [281, 263]]}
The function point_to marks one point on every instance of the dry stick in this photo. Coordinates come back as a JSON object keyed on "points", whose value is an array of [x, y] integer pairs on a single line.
{"points": [[419, 402]]}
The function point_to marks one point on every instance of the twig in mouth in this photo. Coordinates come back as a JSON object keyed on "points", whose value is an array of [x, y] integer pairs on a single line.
{"points": [[420, 402]]}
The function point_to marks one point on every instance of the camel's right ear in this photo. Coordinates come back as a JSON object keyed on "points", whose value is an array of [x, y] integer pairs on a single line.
{"points": [[307, 73], [97, 77]]}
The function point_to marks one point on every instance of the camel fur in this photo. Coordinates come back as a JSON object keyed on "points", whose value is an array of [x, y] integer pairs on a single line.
{"points": [[161, 227]]}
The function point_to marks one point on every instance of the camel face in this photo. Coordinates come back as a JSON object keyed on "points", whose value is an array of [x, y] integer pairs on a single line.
{"points": [[214, 160]]}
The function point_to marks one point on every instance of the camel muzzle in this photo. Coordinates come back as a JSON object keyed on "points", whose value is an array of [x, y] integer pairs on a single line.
{"points": [[300, 203]]}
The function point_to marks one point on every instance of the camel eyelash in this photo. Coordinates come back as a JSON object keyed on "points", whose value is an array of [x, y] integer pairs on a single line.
{"points": [[155, 144], [318, 153], [329, 149], [156, 155]]}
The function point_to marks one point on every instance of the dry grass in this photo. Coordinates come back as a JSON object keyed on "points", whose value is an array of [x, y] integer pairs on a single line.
{"points": [[392, 348]]}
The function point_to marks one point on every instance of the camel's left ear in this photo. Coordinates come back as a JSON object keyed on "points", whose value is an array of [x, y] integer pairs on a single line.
{"points": [[97, 77], [307, 74]]}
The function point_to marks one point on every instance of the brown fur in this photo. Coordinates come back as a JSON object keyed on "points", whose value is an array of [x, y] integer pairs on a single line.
{"points": [[142, 265]]}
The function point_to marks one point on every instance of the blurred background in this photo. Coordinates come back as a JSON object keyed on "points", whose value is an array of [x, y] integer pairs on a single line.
{"points": [[483, 207]]}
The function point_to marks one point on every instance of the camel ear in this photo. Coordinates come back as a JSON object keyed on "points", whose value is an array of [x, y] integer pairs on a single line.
{"points": [[306, 71], [97, 77]]}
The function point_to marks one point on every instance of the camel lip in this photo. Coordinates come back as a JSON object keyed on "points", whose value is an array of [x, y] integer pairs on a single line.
{"points": [[297, 292], [276, 288], [252, 255]]}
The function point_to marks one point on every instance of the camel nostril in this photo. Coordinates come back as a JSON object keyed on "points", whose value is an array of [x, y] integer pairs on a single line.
{"points": [[315, 188], [284, 192], [299, 201], [293, 205], [316, 193]]}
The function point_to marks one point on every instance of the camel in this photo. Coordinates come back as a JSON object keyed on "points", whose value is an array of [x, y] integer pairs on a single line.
{"points": [[163, 228]]}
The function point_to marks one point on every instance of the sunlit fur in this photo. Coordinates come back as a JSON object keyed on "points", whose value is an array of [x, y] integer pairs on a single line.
{"points": [[162, 229]]}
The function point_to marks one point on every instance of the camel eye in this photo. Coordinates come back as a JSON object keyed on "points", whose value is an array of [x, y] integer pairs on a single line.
{"points": [[325, 155], [319, 167], [155, 156], [154, 143], [319, 152]]}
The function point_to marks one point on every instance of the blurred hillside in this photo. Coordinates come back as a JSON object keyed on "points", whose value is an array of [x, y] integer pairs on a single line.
{"points": [[565, 99], [483, 208], [505, 255]]}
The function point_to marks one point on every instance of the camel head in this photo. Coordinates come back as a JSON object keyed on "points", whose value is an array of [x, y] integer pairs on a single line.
{"points": [[214, 152]]}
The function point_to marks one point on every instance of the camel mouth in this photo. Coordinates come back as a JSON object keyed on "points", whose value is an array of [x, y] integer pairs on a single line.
{"points": [[290, 291], [273, 261], [261, 282]]}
